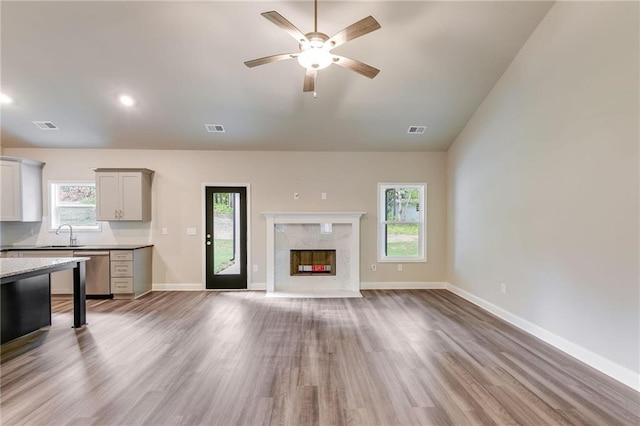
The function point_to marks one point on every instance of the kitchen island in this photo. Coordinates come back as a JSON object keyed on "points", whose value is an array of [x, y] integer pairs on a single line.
{"points": [[25, 293]]}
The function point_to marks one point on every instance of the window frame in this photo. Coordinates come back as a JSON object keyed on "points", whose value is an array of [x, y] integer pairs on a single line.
{"points": [[53, 205], [422, 222]]}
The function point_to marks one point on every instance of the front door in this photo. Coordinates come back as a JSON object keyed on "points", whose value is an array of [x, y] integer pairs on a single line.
{"points": [[226, 237]]}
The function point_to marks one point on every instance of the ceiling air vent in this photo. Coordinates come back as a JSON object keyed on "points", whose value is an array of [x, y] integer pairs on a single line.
{"points": [[416, 130], [46, 125], [214, 128]]}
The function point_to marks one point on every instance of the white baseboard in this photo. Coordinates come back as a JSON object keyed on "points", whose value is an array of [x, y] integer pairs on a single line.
{"points": [[257, 286], [409, 285], [197, 286], [610, 368], [177, 287]]}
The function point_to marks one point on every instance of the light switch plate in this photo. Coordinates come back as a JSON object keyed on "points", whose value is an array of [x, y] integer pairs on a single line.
{"points": [[165, 231], [192, 231]]}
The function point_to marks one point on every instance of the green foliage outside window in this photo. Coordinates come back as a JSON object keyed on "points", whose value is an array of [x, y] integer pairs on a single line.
{"points": [[73, 204], [401, 224]]}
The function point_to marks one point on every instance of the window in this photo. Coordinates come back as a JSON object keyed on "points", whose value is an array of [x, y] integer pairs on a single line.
{"points": [[73, 203], [401, 222]]}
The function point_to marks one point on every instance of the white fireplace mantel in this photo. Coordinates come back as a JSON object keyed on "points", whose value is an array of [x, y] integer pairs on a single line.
{"points": [[349, 287]]}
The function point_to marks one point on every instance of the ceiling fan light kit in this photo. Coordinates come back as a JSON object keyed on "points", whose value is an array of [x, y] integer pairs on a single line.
{"points": [[313, 54], [315, 48]]}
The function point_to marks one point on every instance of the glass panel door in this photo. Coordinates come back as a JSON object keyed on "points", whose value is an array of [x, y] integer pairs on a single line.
{"points": [[226, 237]]}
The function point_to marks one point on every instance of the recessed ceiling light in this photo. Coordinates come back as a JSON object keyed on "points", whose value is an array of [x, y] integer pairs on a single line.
{"points": [[4, 99], [126, 100]]}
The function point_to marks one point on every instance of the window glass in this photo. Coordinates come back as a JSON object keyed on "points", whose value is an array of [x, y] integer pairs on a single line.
{"points": [[401, 231], [73, 203]]}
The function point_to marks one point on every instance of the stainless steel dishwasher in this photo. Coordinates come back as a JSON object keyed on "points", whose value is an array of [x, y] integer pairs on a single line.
{"points": [[98, 270]]}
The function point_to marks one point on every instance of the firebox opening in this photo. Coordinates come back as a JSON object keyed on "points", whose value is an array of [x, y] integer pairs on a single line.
{"points": [[313, 262]]}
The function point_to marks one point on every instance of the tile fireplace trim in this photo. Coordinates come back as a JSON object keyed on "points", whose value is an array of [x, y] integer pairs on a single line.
{"points": [[352, 218]]}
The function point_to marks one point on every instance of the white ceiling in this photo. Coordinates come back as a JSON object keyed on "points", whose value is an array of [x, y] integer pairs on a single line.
{"points": [[66, 62]]}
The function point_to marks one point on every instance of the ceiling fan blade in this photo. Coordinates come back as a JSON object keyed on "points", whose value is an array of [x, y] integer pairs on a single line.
{"points": [[269, 59], [287, 26], [357, 66], [360, 28], [310, 81]]}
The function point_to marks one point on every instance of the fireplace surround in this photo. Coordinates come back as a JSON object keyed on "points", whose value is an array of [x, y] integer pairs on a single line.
{"points": [[337, 232]]}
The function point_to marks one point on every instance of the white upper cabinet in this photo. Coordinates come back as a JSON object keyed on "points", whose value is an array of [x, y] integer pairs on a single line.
{"points": [[123, 194], [21, 186]]}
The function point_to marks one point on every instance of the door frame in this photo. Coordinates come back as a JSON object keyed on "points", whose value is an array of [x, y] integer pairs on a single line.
{"points": [[203, 227]]}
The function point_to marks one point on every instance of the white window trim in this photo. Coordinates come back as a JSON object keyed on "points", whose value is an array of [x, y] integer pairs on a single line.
{"points": [[77, 229], [422, 237]]}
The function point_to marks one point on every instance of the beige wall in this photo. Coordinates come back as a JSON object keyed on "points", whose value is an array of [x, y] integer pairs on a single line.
{"points": [[349, 179], [543, 183]]}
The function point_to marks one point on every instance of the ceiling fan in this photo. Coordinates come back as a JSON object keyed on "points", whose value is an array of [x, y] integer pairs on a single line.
{"points": [[315, 47]]}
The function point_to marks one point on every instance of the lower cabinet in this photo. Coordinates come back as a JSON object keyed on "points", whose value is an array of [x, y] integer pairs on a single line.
{"points": [[130, 272], [122, 285]]}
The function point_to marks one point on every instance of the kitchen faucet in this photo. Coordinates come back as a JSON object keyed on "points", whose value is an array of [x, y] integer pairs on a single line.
{"points": [[72, 239]]}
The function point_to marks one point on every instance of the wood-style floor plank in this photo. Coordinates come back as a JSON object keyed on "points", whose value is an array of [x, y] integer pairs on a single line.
{"points": [[410, 357]]}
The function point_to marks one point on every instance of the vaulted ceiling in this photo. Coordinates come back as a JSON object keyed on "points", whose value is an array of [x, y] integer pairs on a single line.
{"points": [[67, 62]]}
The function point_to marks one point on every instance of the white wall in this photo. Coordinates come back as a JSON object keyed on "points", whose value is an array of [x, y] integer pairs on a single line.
{"points": [[543, 184], [349, 179]]}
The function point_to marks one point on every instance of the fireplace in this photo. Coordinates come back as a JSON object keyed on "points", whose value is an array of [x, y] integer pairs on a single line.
{"points": [[313, 254], [312, 262]]}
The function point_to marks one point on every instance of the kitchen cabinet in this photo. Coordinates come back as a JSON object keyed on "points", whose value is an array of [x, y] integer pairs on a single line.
{"points": [[130, 272], [127, 271], [123, 194], [21, 190]]}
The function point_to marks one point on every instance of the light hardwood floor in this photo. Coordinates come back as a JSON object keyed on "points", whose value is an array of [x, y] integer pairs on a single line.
{"points": [[390, 358]]}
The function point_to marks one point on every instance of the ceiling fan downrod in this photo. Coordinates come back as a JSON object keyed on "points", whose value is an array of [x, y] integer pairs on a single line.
{"points": [[315, 16]]}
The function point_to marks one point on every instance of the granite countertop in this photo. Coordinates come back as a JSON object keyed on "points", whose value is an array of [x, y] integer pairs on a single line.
{"points": [[15, 266], [77, 248]]}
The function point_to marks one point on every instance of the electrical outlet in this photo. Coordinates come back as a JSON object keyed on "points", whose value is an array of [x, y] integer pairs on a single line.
{"points": [[192, 231], [296, 195], [374, 268], [399, 267], [324, 195], [255, 268], [503, 288], [165, 231]]}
